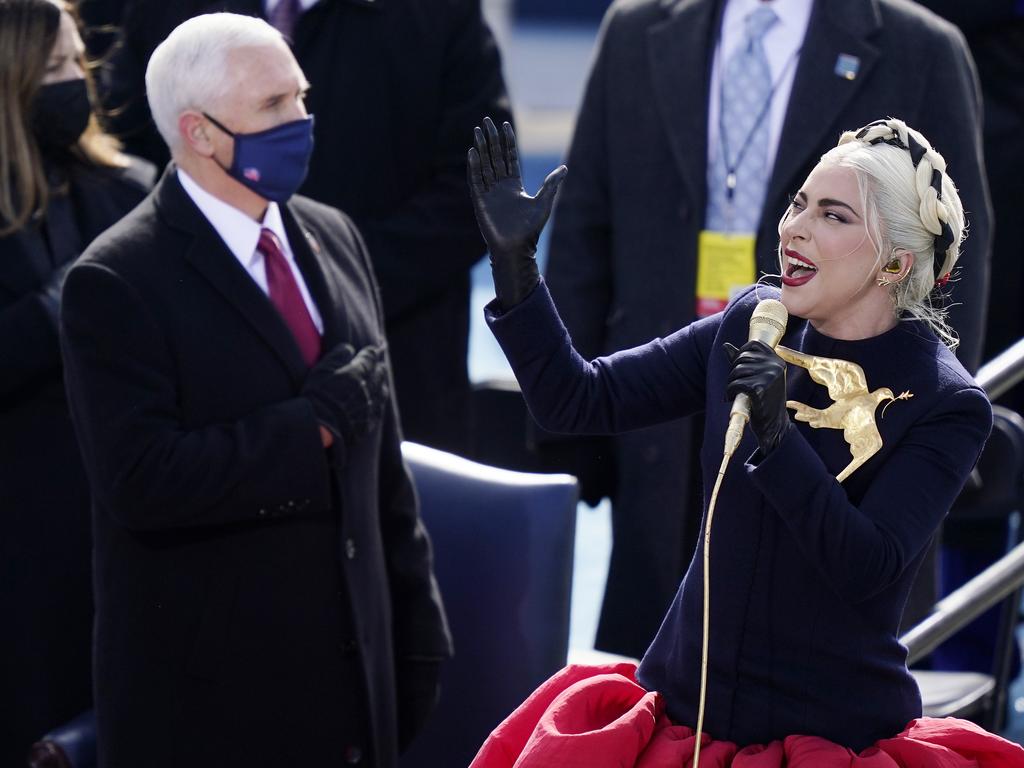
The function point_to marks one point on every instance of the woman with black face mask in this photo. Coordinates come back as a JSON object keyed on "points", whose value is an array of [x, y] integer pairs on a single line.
{"points": [[62, 182]]}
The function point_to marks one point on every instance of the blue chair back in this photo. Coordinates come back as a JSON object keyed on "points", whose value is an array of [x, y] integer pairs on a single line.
{"points": [[503, 555]]}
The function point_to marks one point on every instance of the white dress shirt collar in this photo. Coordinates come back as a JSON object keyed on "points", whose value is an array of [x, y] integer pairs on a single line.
{"points": [[239, 232], [792, 24], [241, 235]]}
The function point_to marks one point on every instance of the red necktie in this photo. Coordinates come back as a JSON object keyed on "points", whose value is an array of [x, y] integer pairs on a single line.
{"points": [[284, 16], [286, 296]]}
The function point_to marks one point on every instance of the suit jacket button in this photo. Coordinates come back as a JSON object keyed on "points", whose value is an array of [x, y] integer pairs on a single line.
{"points": [[350, 549], [263, 513]]}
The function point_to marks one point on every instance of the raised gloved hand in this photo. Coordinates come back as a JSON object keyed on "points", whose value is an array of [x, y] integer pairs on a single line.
{"points": [[509, 219], [349, 390], [760, 374]]}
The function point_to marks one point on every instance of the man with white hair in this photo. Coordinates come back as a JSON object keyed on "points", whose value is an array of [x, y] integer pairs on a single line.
{"points": [[397, 87], [264, 587]]}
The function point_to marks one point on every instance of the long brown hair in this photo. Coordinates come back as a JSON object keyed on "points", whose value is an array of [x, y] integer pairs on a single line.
{"points": [[28, 31]]}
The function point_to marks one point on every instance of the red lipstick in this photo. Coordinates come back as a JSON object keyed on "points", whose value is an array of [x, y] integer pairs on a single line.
{"points": [[798, 269]]}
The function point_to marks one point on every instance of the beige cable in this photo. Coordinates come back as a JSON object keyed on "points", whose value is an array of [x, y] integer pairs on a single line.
{"points": [[707, 607]]}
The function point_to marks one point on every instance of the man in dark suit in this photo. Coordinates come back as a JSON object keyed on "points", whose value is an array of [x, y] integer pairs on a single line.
{"points": [[264, 587], [624, 247], [397, 87]]}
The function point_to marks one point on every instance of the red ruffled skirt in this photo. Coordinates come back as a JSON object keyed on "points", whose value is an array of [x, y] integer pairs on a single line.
{"points": [[594, 716]]}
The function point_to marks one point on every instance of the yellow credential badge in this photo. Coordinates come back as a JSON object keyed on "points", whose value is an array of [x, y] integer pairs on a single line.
{"points": [[725, 265]]}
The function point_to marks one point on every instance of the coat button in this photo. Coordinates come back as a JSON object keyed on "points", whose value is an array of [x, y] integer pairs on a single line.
{"points": [[350, 549], [350, 646], [353, 755], [263, 513]]}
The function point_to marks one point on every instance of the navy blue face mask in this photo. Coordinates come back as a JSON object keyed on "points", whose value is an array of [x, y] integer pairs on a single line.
{"points": [[272, 163]]}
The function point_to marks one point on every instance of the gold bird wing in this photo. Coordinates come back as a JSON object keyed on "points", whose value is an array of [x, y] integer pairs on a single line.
{"points": [[842, 378], [861, 433]]}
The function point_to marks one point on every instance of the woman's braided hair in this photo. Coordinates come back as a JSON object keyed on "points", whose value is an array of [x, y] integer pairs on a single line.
{"points": [[911, 205]]}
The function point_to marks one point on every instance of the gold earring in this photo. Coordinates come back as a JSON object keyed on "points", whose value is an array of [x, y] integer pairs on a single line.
{"points": [[883, 282], [894, 267]]}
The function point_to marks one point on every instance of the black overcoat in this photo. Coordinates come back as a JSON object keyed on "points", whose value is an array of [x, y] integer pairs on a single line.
{"points": [[45, 548], [623, 245], [249, 589], [397, 86]]}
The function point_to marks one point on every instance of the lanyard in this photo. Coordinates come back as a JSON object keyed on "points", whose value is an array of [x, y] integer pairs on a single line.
{"points": [[730, 168]]}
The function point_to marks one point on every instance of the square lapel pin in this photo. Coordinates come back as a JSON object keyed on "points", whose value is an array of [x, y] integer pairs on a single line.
{"points": [[847, 66]]}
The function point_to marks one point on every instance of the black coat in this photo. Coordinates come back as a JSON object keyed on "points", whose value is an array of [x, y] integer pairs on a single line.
{"points": [[45, 549], [397, 87], [248, 589], [623, 247]]}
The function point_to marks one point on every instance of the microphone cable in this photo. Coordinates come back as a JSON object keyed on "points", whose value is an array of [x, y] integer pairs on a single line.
{"points": [[707, 603]]}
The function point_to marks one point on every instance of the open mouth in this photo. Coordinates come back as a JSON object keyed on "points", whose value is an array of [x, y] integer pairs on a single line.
{"points": [[798, 269]]}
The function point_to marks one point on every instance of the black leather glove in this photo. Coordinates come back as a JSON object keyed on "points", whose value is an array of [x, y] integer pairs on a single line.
{"points": [[760, 374], [349, 391], [509, 219], [419, 688]]}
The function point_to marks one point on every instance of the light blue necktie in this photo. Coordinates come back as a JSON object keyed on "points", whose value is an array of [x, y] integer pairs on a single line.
{"points": [[742, 158]]}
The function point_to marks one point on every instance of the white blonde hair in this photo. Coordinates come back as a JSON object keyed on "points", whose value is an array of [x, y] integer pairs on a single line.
{"points": [[189, 70], [907, 207]]}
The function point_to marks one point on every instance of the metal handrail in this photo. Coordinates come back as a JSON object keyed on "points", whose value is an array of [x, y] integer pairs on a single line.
{"points": [[1003, 372], [1003, 577], [965, 604]]}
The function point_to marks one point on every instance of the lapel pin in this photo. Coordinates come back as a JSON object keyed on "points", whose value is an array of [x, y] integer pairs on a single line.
{"points": [[311, 239], [847, 66]]}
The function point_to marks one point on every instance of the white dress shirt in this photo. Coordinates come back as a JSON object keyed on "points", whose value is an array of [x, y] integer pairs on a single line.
{"points": [[781, 43], [241, 234]]}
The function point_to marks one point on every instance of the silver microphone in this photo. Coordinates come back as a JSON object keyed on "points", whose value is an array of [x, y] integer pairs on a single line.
{"points": [[767, 325]]}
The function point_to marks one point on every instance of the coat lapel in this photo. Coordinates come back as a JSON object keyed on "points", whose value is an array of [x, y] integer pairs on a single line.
{"points": [[819, 95], [208, 254], [685, 36]]}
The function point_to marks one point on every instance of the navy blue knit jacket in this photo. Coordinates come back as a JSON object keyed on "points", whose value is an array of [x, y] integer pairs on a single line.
{"points": [[808, 576]]}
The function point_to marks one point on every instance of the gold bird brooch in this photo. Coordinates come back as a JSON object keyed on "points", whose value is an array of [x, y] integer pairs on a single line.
{"points": [[853, 406]]}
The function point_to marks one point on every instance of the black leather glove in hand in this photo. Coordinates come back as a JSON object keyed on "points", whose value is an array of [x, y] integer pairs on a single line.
{"points": [[509, 219], [760, 374], [349, 391], [419, 689]]}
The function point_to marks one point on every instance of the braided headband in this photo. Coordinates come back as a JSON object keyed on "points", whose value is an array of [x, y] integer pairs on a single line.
{"points": [[944, 239]]}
